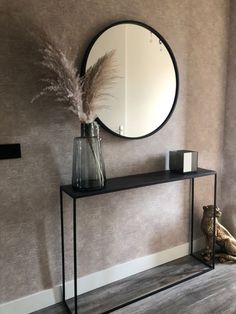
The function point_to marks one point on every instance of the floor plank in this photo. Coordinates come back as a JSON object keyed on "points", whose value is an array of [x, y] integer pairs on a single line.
{"points": [[212, 292]]}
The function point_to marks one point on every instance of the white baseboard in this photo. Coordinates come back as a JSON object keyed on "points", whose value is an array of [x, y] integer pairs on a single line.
{"points": [[92, 281]]}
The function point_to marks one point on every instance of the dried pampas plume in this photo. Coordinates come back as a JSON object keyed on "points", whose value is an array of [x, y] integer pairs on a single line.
{"points": [[84, 95], [65, 84], [98, 79]]}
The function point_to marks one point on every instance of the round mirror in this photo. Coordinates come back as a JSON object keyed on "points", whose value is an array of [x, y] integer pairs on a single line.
{"points": [[145, 93]]}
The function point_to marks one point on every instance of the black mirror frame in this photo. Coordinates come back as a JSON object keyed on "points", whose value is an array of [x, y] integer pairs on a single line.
{"points": [[83, 71]]}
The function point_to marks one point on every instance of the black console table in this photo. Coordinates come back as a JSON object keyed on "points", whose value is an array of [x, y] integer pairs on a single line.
{"points": [[125, 183]]}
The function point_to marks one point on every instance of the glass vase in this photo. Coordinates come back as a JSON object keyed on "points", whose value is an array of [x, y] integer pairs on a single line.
{"points": [[88, 172]]}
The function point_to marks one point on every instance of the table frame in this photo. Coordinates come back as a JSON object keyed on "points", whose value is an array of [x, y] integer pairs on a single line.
{"points": [[124, 183]]}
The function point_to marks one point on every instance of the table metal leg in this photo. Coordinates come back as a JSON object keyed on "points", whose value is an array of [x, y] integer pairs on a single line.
{"points": [[209, 264], [214, 221], [192, 215], [75, 255], [62, 246]]}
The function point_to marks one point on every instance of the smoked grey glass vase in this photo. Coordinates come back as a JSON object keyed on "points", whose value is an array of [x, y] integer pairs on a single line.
{"points": [[88, 171]]}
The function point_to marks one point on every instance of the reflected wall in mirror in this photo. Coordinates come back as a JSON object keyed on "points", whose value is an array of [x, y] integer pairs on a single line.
{"points": [[145, 94]]}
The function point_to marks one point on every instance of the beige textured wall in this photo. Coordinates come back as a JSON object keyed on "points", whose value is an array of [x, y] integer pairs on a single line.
{"points": [[117, 227], [229, 169]]}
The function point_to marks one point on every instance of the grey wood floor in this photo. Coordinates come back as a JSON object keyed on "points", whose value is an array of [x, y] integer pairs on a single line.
{"points": [[212, 292]]}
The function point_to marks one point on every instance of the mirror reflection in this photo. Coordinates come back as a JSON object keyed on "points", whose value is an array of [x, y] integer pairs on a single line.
{"points": [[144, 95]]}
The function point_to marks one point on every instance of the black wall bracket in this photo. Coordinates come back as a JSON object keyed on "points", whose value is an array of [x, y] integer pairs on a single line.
{"points": [[10, 151]]}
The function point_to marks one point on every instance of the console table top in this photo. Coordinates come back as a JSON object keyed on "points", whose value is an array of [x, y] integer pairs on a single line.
{"points": [[136, 181]]}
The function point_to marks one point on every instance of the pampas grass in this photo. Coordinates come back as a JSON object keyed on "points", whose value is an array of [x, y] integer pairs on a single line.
{"points": [[65, 84], [98, 79], [85, 95]]}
